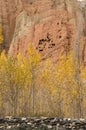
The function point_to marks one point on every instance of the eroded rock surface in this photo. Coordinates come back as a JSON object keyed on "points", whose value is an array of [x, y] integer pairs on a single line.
{"points": [[51, 25], [9, 9]]}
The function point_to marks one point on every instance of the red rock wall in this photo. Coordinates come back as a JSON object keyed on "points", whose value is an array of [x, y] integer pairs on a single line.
{"points": [[49, 24], [9, 9]]}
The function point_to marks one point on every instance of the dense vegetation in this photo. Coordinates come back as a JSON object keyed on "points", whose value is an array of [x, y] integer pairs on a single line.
{"points": [[30, 87]]}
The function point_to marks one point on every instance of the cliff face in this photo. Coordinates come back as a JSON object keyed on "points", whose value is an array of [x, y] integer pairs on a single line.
{"points": [[9, 10], [51, 25]]}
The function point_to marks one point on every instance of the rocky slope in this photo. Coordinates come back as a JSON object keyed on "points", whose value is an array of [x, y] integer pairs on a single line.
{"points": [[51, 25], [42, 123]]}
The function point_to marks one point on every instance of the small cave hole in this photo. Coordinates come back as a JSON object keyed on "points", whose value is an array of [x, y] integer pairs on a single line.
{"points": [[60, 37], [39, 47], [42, 41], [31, 3], [57, 23], [68, 37], [41, 50], [48, 39], [53, 44], [62, 23], [50, 47]]}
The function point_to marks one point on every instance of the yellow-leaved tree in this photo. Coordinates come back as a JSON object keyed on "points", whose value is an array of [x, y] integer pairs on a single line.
{"points": [[66, 84], [30, 86], [47, 88], [34, 65], [13, 78]]}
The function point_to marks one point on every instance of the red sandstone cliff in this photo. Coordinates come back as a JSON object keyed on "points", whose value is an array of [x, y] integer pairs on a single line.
{"points": [[51, 25]]}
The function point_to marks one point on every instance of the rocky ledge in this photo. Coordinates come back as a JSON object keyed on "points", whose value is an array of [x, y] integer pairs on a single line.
{"points": [[42, 123]]}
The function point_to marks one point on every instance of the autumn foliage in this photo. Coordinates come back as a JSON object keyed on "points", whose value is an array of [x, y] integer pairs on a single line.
{"points": [[30, 87]]}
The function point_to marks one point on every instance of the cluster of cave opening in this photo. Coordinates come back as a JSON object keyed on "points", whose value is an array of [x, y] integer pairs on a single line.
{"points": [[42, 43], [48, 42]]}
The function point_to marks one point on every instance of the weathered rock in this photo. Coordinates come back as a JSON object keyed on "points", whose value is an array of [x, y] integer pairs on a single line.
{"points": [[36, 124], [50, 25], [8, 12]]}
